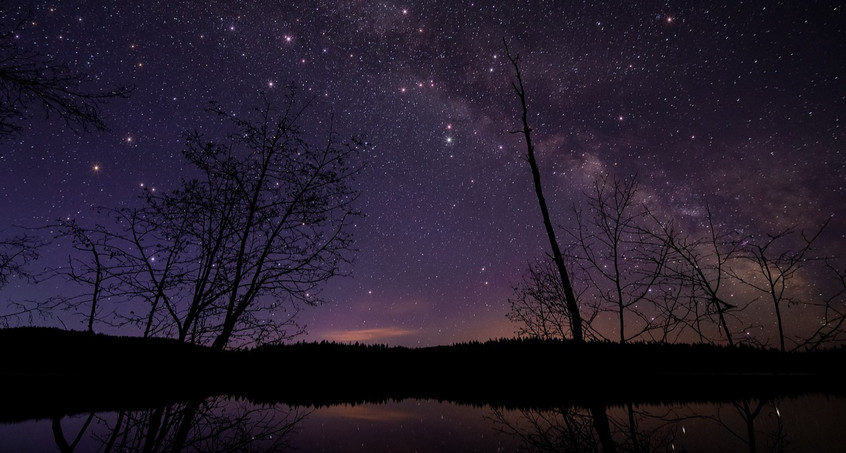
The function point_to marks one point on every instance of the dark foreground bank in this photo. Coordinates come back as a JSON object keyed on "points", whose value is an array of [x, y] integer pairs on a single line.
{"points": [[51, 372]]}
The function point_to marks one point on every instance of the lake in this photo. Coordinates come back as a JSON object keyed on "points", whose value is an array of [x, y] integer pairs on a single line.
{"points": [[809, 422]]}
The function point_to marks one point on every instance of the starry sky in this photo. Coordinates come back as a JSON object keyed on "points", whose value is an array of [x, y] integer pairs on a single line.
{"points": [[736, 103]]}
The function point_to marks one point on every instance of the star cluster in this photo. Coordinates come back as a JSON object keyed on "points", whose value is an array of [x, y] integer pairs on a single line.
{"points": [[739, 104]]}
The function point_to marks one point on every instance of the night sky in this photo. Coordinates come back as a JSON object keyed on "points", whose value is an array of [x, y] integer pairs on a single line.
{"points": [[740, 105]]}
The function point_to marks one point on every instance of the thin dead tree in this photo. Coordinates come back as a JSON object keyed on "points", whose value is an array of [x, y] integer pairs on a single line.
{"points": [[576, 327], [620, 263], [777, 263], [90, 270]]}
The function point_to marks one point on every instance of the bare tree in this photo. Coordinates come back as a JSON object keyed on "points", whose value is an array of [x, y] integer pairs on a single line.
{"points": [[620, 263], [700, 266], [235, 251], [777, 262], [32, 79], [677, 311], [620, 268], [29, 78], [108, 263], [90, 271], [832, 321], [570, 300]]}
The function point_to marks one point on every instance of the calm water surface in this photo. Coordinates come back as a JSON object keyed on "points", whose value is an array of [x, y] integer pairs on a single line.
{"points": [[812, 423]]}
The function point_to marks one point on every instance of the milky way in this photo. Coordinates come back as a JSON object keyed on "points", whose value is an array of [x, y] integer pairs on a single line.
{"points": [[737, 105]]}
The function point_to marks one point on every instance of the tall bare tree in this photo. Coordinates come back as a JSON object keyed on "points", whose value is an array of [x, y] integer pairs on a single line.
{"points": [[570, 300], [620, 262], [777, 262], [234, 252]]}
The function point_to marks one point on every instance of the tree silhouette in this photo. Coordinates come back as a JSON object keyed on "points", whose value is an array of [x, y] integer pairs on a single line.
{"points": [[832, 320], [213, 424], [31, 79], [235, 251], [620, 262], [538, 306], [619, 266], [666, 283], [90, 271], [700, 265], [570, 300], [267, 221], [777, 263]]}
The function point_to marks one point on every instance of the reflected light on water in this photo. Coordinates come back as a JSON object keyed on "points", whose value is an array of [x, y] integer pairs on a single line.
{"points": [[807, 423]]}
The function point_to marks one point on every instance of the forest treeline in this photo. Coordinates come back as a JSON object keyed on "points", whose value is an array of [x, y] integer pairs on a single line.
{"points": [[109, 372]]}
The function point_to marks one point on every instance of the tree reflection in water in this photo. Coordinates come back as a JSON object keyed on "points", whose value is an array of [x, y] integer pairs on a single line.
{"points": [[753, 424], [214, 424], [806, 423]]}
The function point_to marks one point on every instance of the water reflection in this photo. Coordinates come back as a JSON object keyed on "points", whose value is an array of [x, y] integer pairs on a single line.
{"points": [[807, 423], [213, 424], [746, 425]]}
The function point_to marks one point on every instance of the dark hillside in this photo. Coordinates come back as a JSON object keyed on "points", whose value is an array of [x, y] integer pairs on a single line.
{"points": [[55, 352]]}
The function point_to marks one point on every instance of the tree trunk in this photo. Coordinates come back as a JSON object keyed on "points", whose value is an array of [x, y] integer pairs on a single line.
{"points": [[569, 295], [603, 428], [780, 325]]}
